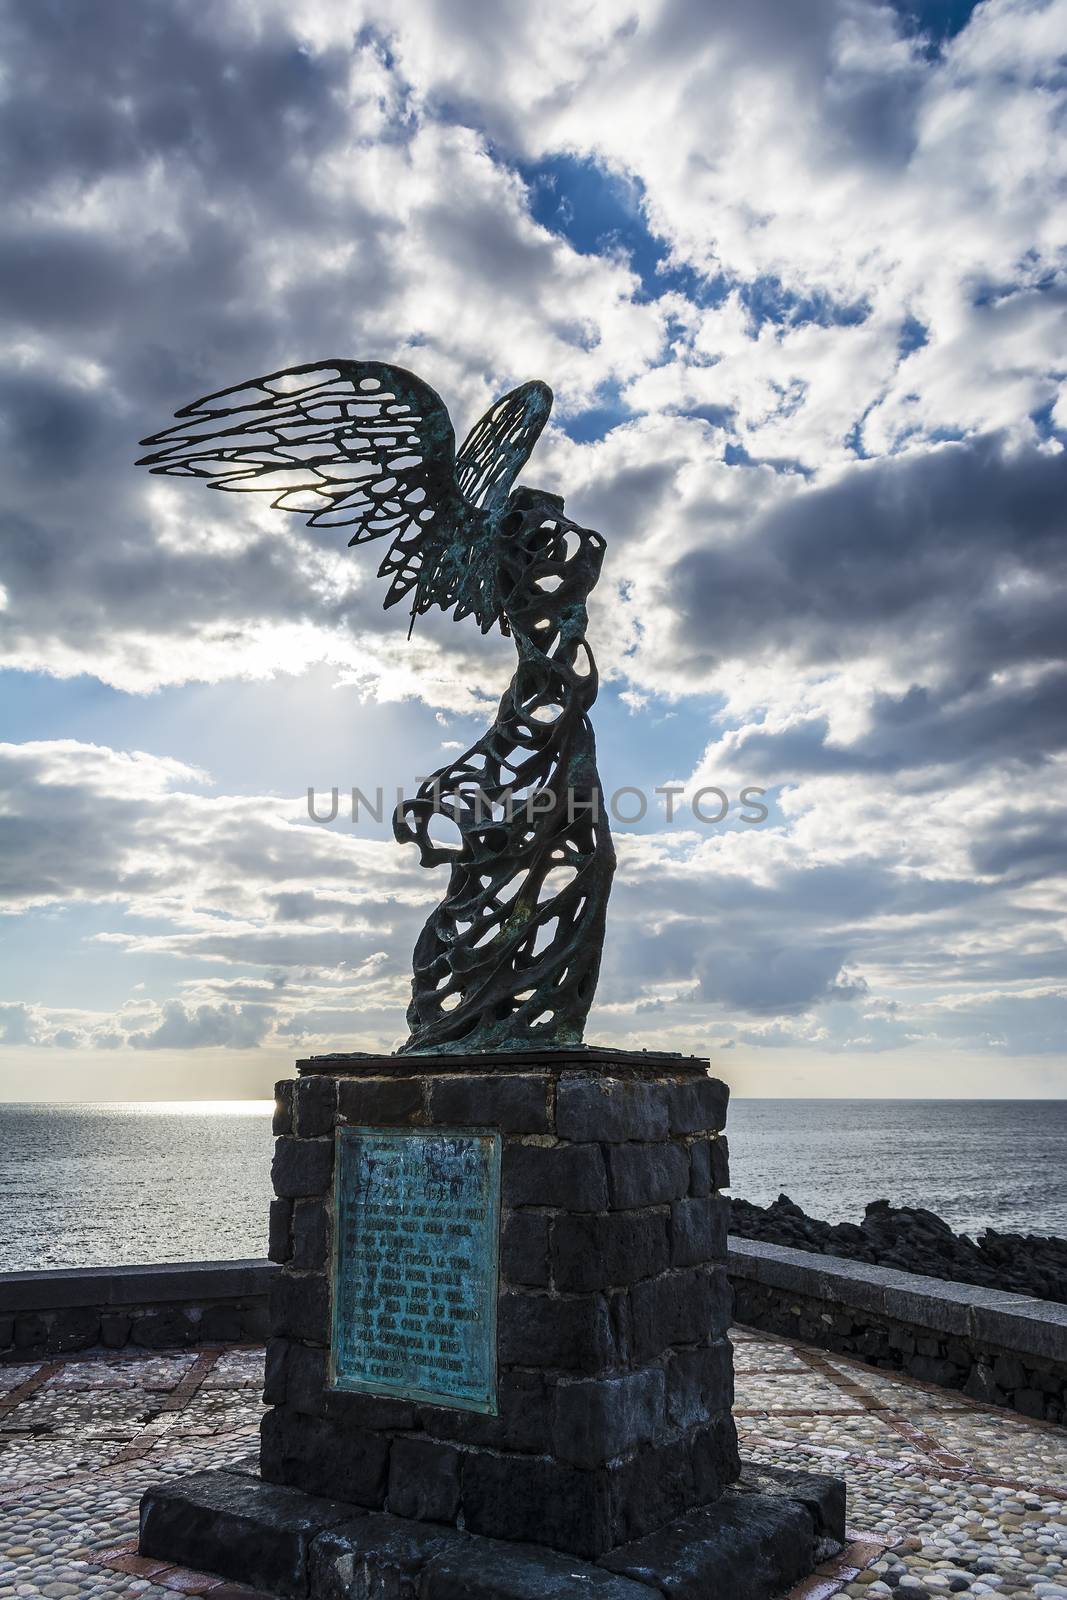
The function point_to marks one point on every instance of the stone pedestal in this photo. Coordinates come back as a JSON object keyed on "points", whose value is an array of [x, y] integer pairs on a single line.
{"points": [[609, 1436]]}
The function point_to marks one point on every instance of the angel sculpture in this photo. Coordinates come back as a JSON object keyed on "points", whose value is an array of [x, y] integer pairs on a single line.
{"points": [[509, 960]]}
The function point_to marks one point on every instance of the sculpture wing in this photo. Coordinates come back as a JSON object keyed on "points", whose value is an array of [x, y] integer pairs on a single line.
{"points": [[499, 445], [347, 443]]}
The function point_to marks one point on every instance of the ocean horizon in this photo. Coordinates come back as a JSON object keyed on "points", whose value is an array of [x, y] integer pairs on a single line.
{"points": [[110, 1183]]}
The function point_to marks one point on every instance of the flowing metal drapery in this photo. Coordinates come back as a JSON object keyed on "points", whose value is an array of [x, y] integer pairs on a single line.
{"points": [[510, 959]]}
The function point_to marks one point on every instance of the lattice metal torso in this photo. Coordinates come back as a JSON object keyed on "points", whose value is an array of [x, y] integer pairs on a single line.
{"points": [[510, 958]]}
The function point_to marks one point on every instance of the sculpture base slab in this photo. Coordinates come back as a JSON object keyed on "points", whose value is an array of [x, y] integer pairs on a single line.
{"points": [[761, 1536]]}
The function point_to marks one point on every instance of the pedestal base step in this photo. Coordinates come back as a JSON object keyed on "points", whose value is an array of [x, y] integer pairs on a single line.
{"points": [[764, 1534]]}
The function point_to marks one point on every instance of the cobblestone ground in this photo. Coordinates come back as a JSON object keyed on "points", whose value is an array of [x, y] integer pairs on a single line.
{"points": [[945, 1497]]}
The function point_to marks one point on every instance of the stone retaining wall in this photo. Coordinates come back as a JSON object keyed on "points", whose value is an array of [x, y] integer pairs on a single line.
{"points": [[1001, 1349], [153, 1308]]}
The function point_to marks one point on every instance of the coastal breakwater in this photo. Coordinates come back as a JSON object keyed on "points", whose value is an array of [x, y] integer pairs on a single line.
{"points": [[998, 1348]]}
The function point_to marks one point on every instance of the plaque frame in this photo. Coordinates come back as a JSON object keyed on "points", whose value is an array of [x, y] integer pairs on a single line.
{"points": [[481, 1400]]}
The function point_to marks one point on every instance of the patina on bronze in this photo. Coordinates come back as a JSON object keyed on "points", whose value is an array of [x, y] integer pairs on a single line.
{"points": [[509, 960], [415, 1265]]}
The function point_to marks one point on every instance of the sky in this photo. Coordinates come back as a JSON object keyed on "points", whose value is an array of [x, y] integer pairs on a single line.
{"points": [[796, 275]]}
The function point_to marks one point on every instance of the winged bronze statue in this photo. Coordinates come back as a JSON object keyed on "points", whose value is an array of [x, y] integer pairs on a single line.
{"points": [[509, 960]]}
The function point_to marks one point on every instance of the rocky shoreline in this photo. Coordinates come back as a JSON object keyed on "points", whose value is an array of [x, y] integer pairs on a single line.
{"points": [[914, 1240]]}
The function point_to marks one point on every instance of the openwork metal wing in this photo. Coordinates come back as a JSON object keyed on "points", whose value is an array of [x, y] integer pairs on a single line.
{"points": [[345, 443]]}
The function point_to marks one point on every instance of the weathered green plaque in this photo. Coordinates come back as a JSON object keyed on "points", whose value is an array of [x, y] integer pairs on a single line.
{"points": [[415, 1264]]}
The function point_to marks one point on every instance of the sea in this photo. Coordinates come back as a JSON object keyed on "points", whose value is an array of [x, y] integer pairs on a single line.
{"points": [[96, 1185]]}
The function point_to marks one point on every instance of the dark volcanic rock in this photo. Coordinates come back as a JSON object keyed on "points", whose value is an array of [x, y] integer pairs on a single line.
{"points": [[914, 1240]]}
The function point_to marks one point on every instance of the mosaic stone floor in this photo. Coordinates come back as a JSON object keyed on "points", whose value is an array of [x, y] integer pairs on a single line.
{"points": [[945, 1497]]}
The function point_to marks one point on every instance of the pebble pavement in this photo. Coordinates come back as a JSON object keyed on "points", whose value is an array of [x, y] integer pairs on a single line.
{"points": [[945, 1496]]}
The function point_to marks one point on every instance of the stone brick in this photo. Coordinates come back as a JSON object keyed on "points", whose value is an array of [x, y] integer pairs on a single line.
{"points": [[115, 1329], [275, 1372], [370, 1411], [318, 1456], [7, 1332], [512, 1102], [306, 1379], [311, 1232], [494, 1569], [31, 1331], [662, 1482], [646, 1174], [378, 1102], [698, 1105], [170, 1328], [283, 1107], [591, 1107], [600, 1252], [302, 1167], [221, 1324], [314, 1106], [568, 1176], [300, 1306], [522, 1422], [74, 1328], [279, 1238], [424, 1480], [237, 1526], [687, 1306], [709, 1165], [529, 1498], [539, 1330], [376, 1557], [524, 1246], [597, 1419], [700, 1384], [698, 1231]]}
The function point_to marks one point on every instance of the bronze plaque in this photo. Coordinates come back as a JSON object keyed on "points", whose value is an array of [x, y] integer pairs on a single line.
{"points": [[416, 1224]]}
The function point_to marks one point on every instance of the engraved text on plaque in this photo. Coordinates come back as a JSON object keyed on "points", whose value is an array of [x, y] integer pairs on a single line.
{"points": [[415, 1264]]}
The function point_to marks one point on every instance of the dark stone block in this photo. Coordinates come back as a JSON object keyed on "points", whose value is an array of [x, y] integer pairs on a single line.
{"points": [[540, 1330], [709, 1166], [302, 1167], [596, 1419], [7, 1332], [646, 1175], [686, 1306], [592, 1108], [275, 1372], [74, 1328], [382, 1101], [700, 1383], [115, 1329], [512, 1102], [663, 1482], [283, 1107], [377, 1557], [305, 1382], [698, 1105], [31, 1331], [424, 1480], [237, 1526], [221, 1324], [522, 1424], [255, 1321], [524, 1241], [822, 1495], [171, 1328], [744, 1546], [540, 1501], [311, 1233], [314, 1107], [370, 1411], [279, 1238], [491, 1569], [600, 1252], [569, 1177], [698, 1231], [300, 1306], [313, 1454]]}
